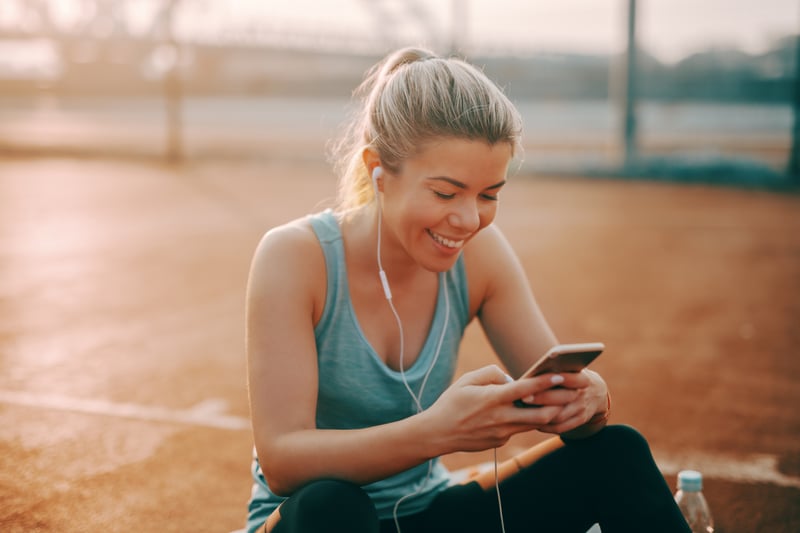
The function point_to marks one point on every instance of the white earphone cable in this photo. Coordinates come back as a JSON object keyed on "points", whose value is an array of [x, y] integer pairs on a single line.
{"points": [[497, 490]]}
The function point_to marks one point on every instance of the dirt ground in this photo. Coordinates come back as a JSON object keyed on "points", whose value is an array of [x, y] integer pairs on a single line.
{"points": [[122, 379]]}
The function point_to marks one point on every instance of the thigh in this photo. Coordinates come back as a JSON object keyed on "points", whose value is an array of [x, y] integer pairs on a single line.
{"points": [[531, 502], [545, 495], [554, 494], [463, 508], [609, 478]]}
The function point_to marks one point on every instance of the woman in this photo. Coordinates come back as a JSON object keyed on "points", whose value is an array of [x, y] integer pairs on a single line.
{"points": [[354, 319]]}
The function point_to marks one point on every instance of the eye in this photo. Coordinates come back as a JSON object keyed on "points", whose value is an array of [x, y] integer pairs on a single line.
{"points": [[444, 196], [490, 197]]}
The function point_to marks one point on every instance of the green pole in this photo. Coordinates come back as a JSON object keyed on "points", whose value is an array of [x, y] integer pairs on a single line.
{"points": [[794, 157], [629, 104]]}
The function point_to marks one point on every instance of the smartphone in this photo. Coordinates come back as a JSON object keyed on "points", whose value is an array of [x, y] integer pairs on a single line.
{"points": [[563, 358]]}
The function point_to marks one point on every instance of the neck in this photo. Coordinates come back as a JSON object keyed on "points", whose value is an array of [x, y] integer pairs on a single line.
{"points": [[362, 243]]}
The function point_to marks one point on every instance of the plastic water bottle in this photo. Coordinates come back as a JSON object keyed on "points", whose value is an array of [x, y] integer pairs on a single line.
{"points": [[692, 503]]}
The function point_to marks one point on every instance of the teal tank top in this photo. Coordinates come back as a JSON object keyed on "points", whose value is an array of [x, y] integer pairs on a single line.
{"points": [[358, 390]]}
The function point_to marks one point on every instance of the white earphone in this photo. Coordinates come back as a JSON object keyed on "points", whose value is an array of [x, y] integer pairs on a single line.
{"points": [[376, 173]]}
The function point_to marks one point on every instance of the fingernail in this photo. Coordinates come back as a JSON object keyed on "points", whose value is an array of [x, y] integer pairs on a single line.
{"points": [[556, 380], [509, 379], [528, 399]]}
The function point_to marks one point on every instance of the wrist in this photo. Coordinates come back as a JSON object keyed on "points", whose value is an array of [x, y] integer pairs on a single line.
{"points": [[432, 443]]}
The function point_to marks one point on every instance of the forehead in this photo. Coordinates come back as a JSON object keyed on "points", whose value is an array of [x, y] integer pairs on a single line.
{"points": [[465, 160]]}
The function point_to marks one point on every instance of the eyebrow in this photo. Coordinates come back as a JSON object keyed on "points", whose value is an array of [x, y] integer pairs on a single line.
{"points": [[462, 185]]}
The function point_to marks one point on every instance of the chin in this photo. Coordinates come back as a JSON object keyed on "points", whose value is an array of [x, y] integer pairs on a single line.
{"points": [[440, 264]]}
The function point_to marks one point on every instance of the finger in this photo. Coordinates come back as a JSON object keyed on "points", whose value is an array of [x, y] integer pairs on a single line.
{"points": [[528, 389], [559, 427], [570, 412], [536, 417], [487, 375], [576, 380], [554, 396]]}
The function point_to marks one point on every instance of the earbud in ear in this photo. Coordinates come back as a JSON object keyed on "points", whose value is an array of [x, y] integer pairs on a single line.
{"points": [[376, 173]]}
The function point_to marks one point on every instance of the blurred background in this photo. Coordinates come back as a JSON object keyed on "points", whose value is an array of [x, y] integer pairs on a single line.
{"points": [[147, 145], [667, 88]]}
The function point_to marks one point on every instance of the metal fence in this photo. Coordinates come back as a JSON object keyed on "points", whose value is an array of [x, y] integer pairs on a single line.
{"points": [[103, 84]]}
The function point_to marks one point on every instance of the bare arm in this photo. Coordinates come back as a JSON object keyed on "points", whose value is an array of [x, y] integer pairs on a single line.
{"points": [[519, 333], [504, 302]]}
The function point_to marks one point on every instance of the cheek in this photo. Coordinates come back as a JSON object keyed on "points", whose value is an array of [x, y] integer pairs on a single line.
{"points": [[425, 210], [487, 214]]}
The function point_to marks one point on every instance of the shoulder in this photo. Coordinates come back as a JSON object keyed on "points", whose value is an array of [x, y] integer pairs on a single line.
{"points": [[288, 258], [489, 252], [489, 260], [293, 243]]}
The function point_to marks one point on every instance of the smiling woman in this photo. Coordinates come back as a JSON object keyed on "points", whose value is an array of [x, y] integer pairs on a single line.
{"points": [[354, 321]]}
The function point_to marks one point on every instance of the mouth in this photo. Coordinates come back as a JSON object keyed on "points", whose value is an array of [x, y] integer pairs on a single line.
{"points": [[448, 243]]}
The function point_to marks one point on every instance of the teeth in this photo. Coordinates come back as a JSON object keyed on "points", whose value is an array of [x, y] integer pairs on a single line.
{"points": [[446, 242]]}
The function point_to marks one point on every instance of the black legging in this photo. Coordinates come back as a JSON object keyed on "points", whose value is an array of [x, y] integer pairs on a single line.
{"points": [[609, 478]]}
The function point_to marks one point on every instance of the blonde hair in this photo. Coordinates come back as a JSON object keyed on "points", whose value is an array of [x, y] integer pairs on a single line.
{"points": [[409, 98]]}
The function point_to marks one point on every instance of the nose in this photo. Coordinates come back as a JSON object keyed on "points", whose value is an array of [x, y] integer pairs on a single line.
{"points": [[465, 216]]}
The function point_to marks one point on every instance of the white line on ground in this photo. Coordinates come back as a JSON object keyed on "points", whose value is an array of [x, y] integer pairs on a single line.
{"points": [[209, 413], [749, 468]]}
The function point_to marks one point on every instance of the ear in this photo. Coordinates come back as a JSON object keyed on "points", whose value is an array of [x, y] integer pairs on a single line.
{"points": [[371, 160]]}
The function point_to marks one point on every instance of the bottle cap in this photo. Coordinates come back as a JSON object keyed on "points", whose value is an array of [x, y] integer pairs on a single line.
{"points": [[690, 480]]}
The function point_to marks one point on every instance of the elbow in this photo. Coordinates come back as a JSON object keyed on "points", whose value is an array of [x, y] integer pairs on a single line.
{"points": [[277, 472], [285, 462], [277, 482]]}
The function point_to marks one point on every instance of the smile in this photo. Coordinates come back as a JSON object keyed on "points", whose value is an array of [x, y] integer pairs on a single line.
{"points": [[446, 242]]}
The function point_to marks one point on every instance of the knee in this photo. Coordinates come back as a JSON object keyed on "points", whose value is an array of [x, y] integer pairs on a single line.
{"points": [[624, 433], [327, 505], [626, 439], [329, 497]]}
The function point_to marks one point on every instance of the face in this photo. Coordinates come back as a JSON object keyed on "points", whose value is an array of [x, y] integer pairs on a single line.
{"points": [[441, 198]]}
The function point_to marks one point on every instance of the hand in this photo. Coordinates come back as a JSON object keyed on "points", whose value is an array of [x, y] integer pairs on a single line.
{"points": [[477, 412], [589, 398]]}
